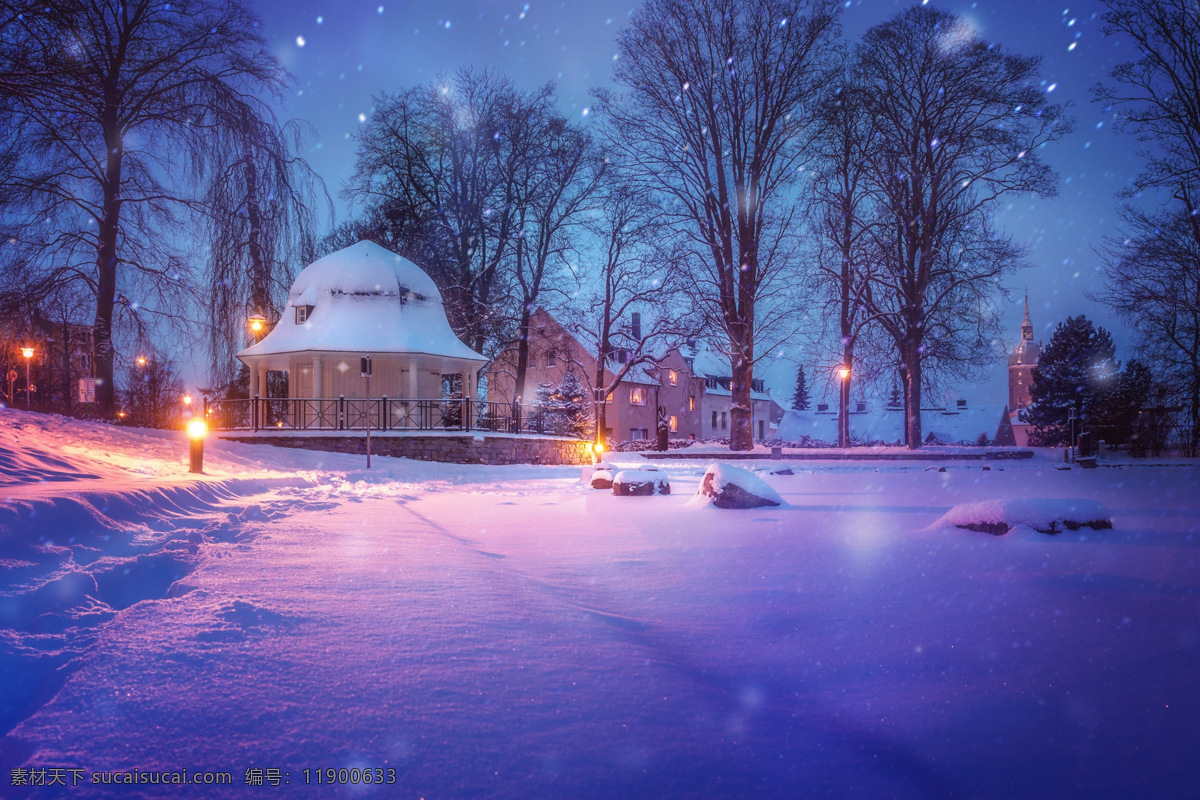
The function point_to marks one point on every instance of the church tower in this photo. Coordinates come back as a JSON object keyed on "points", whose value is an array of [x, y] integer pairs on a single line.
{"points": [[1020, 365]]}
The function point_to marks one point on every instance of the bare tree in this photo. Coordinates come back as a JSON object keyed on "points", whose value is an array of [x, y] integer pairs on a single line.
{"points": [[718, 118], [842, 215], [1152, 280], [261, 208], [555, 185], [1152, 272], [117, 99], [959, 123], [441, 161], [1159, 94], [636, 270]]}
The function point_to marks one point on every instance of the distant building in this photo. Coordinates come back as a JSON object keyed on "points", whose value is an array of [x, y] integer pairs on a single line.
{"points": [[691, 383], [61, 371], [1024, 358]]}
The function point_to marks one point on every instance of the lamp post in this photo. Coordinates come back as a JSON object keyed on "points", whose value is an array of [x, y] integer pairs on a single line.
{"points": [[28, 353], [844, 406], [365, 363], [197, 429]]}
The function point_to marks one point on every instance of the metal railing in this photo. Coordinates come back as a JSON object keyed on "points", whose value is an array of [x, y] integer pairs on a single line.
{"points": [[386, 414]]}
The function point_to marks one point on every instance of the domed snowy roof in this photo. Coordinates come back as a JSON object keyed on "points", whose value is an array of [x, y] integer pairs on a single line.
{"points": [[364, 299], [1025, 354]]}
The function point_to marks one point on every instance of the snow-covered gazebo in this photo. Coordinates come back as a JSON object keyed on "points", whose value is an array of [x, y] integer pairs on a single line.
{"points": [[363, 300]]}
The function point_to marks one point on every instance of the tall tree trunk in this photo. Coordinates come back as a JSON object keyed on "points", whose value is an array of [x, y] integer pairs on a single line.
{"points": [[260, 291], [912, 395], [106, 286], [522, 352], [741, 434], [844, 389], [66, 368]]}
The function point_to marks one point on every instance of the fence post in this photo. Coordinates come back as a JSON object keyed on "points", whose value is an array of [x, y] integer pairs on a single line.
{"points": [[467, 413], [254, 413], [384, 416], [341, 412]]}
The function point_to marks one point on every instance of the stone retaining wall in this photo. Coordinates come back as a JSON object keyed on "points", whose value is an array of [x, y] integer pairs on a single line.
{"points": [[467, 449]]}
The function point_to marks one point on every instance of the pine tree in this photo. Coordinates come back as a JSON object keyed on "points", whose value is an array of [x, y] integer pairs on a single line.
{"points": [[896, 398], [1116, 415], [800, 397], [566, 401], [1075, 370]]}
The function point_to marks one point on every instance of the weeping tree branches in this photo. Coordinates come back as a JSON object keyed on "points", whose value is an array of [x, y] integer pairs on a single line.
{"points": [[119, 101], [260, 208]]}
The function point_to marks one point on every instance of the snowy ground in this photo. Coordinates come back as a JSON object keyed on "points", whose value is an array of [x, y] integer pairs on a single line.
{"points": [[506, 632]]}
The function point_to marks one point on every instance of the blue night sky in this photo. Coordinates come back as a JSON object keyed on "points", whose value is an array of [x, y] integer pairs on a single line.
{"points": [[343, 53]]}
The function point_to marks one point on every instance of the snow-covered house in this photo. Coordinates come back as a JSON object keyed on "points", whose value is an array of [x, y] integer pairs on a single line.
{"points": [[364, 300], [691, 383], [714, 370]]}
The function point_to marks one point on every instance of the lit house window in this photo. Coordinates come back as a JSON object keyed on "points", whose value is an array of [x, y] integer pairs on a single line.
{"points": [[673, 424], [691, 402], [672, 377], [302, 314], [609, 399], [637, 396]]}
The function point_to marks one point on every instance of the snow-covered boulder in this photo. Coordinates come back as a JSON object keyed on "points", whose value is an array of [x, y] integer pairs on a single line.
{"points": [[1046, 515], [640, 482], [602, 475], [726, 486]]}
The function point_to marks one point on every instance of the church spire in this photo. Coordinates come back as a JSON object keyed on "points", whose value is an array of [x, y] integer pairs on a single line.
{"points": [[1026, 324]]}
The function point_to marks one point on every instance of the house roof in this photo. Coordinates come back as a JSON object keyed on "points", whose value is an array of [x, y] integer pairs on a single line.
{"points": [[365, 299]]}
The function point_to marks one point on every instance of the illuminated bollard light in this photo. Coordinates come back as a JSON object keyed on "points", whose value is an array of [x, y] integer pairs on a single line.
{"points": [[197, 429]]}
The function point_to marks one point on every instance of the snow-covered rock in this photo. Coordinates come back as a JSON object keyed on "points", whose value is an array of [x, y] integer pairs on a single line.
{"points": [[640, 482], [602, 475], [727, 486], [1041, 514]]}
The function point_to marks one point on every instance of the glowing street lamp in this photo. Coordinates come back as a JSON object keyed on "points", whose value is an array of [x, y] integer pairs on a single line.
{"points": [[141, 361], [197, 429], [187, 399], [844, 407], [257, 323], [28, 353]]}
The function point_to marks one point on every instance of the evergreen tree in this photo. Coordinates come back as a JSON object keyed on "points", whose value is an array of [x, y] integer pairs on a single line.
{"points": [[896, 398], [568, 400], [570, 397], [1076, 370], [544, 397], [800, 397], [1117, 412]]}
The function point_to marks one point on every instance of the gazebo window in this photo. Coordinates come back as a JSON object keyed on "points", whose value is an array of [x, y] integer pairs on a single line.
{"points": [[302, 314]]}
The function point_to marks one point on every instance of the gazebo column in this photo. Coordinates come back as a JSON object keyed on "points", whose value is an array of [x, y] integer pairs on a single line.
{"points": [[254, 387], [262, 381], [318, 376], [412, 381]]}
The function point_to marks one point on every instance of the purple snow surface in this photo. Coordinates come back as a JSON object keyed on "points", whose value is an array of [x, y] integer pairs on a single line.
{"points": [[508, 633]]}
